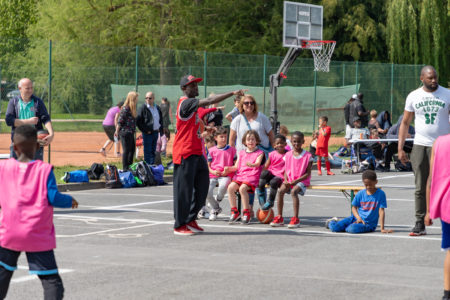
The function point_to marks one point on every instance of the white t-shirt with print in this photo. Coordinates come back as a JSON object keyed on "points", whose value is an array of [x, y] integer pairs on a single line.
{"points": [[431, 114]]}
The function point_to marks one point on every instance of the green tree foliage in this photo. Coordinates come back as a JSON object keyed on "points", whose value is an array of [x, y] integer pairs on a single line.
{"points": [[418, 33]]}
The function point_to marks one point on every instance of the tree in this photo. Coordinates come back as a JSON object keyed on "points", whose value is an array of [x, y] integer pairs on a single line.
{"points": [[418, 33]]}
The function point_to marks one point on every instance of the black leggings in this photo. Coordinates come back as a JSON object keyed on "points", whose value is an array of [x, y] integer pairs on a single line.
{"points": [[129, 147], [273, 181], [52, 284]]}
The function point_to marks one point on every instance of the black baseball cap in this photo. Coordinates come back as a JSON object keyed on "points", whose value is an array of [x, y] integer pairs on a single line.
{"points": [[356, 118], [188, 79]]}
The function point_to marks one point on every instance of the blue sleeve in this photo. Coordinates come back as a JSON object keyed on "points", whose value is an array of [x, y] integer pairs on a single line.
{"points": [[42, 112], [382, 199], [10, 115], [357, 200], [55, 198]]}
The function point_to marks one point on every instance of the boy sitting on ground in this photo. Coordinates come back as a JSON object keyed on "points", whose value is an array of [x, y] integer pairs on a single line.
{"points": [[367, 207]]}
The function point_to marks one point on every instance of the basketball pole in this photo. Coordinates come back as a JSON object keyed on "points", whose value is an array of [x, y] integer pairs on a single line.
{"points": [[276, 80]]}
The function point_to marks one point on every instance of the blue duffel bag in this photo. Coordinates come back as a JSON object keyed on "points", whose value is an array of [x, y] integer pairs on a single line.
{"points": [[127, 179], [158, 174], [76, 176]]}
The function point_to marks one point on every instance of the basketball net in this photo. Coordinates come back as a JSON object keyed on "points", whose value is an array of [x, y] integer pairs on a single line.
{"points": [[322, 55]]}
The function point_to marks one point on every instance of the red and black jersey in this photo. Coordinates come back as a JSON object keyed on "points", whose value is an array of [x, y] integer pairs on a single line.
{"points": [[188, 139]]}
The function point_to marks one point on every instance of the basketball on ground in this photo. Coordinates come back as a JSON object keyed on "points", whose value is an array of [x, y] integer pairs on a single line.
{"points": [[265, 216]]}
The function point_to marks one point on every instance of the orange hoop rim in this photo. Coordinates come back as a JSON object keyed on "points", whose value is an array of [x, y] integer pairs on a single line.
{"points": [[308, 43]]}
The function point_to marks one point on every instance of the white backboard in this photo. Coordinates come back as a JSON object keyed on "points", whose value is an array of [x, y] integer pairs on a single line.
{"points": [[301, 22]]}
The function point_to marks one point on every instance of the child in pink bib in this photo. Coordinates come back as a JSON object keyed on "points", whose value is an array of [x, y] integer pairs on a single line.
{"points": [[27, 195], [273, 173], [248, 169]]}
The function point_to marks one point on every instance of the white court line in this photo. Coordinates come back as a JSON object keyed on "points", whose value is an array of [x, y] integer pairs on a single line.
{"points": [[117, 194], [33, 277], [378, 235], [360, 181], [110, 230], [135, 204]]}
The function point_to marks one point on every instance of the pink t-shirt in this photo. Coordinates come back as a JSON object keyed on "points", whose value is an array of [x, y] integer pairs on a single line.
{"points": [[295, 166], [26, 216], [276, 166], [245, 173], [221, 158], [440, 180], [110, 116]]}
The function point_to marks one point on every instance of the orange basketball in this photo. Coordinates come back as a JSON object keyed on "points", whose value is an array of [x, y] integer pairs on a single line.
{"points": [[265, 216]]}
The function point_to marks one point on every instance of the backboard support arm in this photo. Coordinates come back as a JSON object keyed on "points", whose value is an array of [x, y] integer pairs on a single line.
{"points": [[276, 80]]}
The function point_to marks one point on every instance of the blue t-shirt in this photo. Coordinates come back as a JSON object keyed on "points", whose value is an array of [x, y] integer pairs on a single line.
{"points": [[369, 206]]}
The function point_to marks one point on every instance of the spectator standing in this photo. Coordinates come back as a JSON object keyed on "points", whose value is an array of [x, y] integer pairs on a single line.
{"points": [[28, 109], [109, 126], [167, 117], [429, 105], [126, 129], [150, 122], [357, 109]]}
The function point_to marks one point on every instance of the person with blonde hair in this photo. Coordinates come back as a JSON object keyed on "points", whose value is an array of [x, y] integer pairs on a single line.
{"points": [[126, 129], [251, 119]]}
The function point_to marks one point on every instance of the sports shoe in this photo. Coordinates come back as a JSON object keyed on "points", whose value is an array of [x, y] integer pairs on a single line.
{"points": [[419, 229], [327, 222], [330, 173], [295, 223], [202, 213], [193, 226], [278, 221], [246, 216], [183, 230], [235, 216], [268, 205], [213, 214]]}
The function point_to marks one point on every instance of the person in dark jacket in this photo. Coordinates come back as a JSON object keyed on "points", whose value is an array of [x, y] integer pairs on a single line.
{"points": [[28, 109], [392, 148], [150, 121], [384, 119], [357, 109]]}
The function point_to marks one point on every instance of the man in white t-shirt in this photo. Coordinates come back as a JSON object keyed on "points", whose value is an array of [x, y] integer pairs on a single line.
{"points": [[430, 106]]}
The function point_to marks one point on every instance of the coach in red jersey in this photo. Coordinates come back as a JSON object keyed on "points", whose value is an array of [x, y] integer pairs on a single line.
{"points": [[191, 175]]}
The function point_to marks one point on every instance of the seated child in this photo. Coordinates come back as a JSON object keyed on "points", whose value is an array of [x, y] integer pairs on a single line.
{"points": [[27, 195], [297, 176], [367, 207], [220, 159], [248, 170], [273, 173], [209, 143]]}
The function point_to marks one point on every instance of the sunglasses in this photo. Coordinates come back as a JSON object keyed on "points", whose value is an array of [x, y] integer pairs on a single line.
{"points": [[249, 103], [148, 97]]}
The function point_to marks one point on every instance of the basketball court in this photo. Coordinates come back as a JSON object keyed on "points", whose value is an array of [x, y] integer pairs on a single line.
{"points": [[119, 244]]}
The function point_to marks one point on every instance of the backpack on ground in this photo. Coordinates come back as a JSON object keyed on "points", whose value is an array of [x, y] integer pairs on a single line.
{"points": [[145, 174], [96, 171], [112, 177], [127, 179], [76, 176], [158, 174], [399, 166]]}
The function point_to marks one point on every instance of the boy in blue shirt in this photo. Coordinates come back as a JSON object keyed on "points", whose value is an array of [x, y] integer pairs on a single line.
{"points": [[367, 207]]}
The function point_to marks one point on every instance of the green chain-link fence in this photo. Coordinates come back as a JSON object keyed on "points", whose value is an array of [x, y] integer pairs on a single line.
{"points": [[88, 79]]}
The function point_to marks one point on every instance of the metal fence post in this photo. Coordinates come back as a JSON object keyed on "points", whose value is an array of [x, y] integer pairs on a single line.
{"points": [[205, 61], [315, 97], [356, 78], [49, 88], [264, 83], [392, 89], [343, 74], [137, 69]]}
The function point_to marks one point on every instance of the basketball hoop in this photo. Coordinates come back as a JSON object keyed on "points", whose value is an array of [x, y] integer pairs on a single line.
{"points": [[322, 51]]}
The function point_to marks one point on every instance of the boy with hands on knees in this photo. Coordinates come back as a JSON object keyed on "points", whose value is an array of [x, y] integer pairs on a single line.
{"points": [[297, 176]]}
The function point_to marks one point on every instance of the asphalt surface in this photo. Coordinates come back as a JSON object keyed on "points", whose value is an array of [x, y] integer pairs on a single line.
{"points": [[119, 244]]}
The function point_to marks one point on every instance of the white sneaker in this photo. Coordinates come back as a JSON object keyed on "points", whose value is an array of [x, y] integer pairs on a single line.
{"points": [[327, 222], [213, 214], [202, 214]]}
